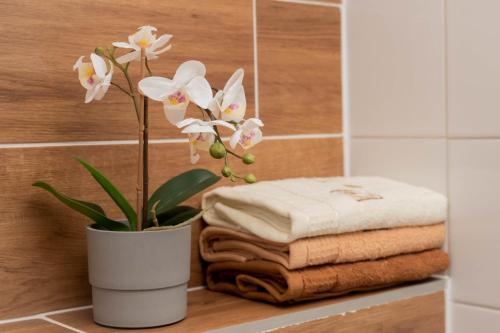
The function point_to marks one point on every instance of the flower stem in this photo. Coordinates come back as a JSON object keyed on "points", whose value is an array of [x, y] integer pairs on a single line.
{"points": [[129, 81], [122, 89], [147, 67], [140, 167], [134, 95], [212, 117], [234, 154]]}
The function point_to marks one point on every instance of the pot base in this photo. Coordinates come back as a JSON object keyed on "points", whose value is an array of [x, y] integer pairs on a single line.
{"points": [[139, 308]]}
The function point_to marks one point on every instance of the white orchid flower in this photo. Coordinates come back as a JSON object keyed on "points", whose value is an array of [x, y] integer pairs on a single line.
{"points": [[248, 134], [199, 141], [188, 84], [94, 76], [144, 38], [230, 103], [192, 125], [201, 134]]}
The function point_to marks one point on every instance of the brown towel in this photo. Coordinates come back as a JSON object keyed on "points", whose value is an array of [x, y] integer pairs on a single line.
{"points": [[222, 244], [271, 282]]}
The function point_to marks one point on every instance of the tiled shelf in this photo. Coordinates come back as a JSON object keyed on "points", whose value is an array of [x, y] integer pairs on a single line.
{"points": [[33, 326], [221, 313]]}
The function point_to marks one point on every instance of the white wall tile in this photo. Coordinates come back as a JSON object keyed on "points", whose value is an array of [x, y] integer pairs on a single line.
{"points": [[475, 220], [396, 67], [473, 30], [417, 161], [470, 319]]}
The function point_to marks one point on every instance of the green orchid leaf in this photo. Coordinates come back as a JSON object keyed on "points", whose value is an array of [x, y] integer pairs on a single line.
{"points": [[180, 188], [97, 226], [173, 212], [177, 215], [180, 222], [94, 206], [90, 210], [169, 214], [114, 194]]}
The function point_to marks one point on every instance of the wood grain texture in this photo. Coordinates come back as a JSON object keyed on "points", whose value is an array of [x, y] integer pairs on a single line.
{"points": [[42, 247], [209, 311], [41, 99], [299, 68], [33, 326], [424, 314]]}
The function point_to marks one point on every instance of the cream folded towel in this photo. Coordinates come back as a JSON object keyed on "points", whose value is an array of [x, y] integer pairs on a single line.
{"points": [[286, 210]]}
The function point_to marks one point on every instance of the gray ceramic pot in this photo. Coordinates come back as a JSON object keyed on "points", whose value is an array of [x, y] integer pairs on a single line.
{"points": [[139, 279]]}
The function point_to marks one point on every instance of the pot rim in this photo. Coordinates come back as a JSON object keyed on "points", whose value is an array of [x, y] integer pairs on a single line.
{"points": [[89, 227]]}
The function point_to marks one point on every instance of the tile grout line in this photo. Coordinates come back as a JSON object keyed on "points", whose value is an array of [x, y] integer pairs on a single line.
{"points": [[58, 323], [475, 305], [421, 137], [156, 141], [312, 3], [449, 289], [486, 137], [398, 137], [88, 143], [304, 136], [255, 60], [346, 143], [44, 315]]}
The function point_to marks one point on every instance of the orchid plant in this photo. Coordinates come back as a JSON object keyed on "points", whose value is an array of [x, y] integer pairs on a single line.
{"points": [[187, 87]]}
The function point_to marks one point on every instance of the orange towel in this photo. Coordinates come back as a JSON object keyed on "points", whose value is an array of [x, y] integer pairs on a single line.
{"points": [[271, 282], [222, 244]]}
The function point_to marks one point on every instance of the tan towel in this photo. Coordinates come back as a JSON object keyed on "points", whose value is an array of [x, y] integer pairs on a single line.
{"points": [[222, 244], [271, 282]]}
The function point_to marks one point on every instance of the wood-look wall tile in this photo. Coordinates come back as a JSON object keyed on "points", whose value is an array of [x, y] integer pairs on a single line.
{"points": [[42, 247], [41, 99], [299, 68]]}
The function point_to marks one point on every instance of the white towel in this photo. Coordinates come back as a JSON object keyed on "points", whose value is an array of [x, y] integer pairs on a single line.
{"points": [[285, 210]]}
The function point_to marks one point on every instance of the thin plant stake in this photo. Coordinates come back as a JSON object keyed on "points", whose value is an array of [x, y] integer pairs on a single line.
{"points": [[145, 164], [140, 171]]}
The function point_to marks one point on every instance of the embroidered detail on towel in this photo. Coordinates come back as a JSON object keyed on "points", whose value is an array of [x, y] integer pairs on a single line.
{"points": [[357, 193], [353, 186]]}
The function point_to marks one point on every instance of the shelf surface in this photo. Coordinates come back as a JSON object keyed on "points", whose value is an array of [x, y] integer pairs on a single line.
{"points": [[33, 326], [220, 313]]}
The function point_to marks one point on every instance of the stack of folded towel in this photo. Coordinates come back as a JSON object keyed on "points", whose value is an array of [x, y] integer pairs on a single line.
{"points": [[299, 239]]}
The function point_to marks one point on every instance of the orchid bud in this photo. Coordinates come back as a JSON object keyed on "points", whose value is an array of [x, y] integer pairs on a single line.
{"points": [[248, 158], [217, 150], [100, 51], [226, 171], [250, 178]]}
